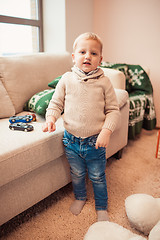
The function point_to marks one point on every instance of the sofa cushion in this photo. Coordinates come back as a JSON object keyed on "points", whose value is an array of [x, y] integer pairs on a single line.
{"points": [[39, 102], [23, 152], [53, 84], [6, 106], [23, 76]]}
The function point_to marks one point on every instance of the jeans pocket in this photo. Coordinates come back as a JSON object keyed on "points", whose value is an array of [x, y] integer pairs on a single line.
{"points": [[66, 141], [92, 140]]}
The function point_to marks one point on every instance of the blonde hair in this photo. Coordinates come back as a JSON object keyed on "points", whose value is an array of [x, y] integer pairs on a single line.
{"points": [[88, 36]]}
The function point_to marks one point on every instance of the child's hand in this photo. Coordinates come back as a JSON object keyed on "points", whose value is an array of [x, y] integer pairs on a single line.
{"points": [[49, 125], [103, 138]]}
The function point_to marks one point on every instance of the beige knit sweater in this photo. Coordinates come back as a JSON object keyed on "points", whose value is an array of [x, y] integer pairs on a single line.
{"points": [[89, 103]]}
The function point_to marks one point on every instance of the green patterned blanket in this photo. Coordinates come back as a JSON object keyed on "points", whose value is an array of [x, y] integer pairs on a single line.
{"points": [[139, 88]]}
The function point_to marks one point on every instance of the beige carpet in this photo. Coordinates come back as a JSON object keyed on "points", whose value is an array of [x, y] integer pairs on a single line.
{"points": [[137, 172]]}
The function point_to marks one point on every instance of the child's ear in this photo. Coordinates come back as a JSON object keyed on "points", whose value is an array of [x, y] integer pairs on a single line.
{"points": [[73, 58], [100, 60]]}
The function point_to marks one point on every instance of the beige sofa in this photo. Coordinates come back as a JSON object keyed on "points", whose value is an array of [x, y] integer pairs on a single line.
{"points": [[33, 164]]}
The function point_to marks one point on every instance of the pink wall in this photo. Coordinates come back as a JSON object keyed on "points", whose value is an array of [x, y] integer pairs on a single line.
{"points": [[130, 31]]}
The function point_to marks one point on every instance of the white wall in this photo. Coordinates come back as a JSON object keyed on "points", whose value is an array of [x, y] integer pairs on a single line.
{"points": [[54, 25], [79, 19], [130, 31]]}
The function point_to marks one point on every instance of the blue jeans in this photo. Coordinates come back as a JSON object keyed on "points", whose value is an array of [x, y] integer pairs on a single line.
{"points": [[83, 157]]}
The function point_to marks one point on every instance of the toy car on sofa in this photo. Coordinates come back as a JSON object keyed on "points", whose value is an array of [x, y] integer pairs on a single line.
{"points": [[24, 119], [34, 116], [21, 127]]}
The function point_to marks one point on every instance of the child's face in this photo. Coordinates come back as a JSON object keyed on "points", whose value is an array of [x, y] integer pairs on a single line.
{"points": [[87, 55]]}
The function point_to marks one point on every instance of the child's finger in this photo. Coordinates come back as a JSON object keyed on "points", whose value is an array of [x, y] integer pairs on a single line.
{"points": [[50, 127], [53, 127], [96, 146]]}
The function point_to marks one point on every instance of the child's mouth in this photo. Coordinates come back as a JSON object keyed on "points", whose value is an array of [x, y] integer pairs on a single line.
{"points": [[87, 63]]}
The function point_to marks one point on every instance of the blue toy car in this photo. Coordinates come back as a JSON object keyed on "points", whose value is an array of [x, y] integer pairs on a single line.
{"points": [[21, 127], [24, 119]]}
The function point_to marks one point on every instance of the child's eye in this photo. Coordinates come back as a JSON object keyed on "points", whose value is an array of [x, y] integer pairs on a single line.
{"points": [[82, 52], [94, 53]]}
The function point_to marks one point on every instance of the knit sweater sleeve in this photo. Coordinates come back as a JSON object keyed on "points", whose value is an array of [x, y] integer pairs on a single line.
{"points": [[111, 110], [56, 104]]}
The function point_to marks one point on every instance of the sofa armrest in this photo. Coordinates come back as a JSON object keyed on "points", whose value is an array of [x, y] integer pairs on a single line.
{"points": [[116, 77], [122, 97]]}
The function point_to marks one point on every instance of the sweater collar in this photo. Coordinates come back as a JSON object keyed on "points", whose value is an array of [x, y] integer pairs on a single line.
{"points": [[95, 74]]}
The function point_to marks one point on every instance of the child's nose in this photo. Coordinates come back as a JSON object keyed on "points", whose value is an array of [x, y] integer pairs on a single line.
{"points": [[88, 55]]}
